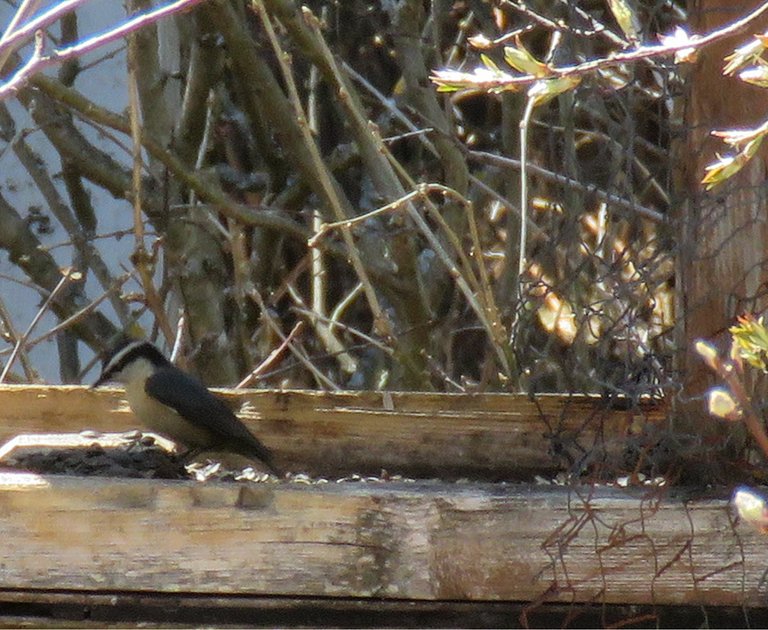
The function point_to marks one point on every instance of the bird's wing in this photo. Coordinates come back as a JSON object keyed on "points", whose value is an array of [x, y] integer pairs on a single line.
{"points": [[194, 402]]}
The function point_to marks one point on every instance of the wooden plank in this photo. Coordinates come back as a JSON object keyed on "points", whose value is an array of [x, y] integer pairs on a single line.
{"points": [[58, 609], [247, 611], [491, 436], [421, 541]]}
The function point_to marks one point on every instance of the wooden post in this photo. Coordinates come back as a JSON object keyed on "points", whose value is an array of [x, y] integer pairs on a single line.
{"points": [[723, 233]]}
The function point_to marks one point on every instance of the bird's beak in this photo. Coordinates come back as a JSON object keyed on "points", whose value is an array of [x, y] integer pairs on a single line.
{"points": [[99, 382]]}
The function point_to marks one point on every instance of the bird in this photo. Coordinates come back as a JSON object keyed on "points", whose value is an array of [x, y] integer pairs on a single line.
{"points": [[176, 405]]}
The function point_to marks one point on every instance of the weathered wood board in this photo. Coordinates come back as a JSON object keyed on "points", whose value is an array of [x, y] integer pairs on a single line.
{"points": [[428, 541], [420, 541], [490, 436]]}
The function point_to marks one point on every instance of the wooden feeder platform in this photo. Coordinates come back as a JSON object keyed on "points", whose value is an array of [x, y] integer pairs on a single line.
{"points": [[411, 510]]}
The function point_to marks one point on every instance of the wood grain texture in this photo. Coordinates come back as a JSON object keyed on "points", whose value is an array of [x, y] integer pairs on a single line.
{"points": [[427, 541], [722, 233], [488, 436]]}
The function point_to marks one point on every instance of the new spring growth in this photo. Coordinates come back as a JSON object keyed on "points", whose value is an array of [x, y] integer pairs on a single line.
{"points": [[751, 507], [720, 403], [708, 353]]}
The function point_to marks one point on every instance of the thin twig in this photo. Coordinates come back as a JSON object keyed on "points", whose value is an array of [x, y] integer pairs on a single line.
{"points": [[524, 123], [421, 134], [421, 191], [488, 313], [267, 363], [13, 337], [79, 315], [12, 40], [381, 319], [341, 307], [142, 261], [38, 63], [69, 275], [30, 67], [79, 239], [301, 356], [507, 81], [71, 320], [319, 270], [178, 339], [396, 205], [468, 283], [27, 8], [564, 180], [329, 340], [729, 371], [335, 323]]}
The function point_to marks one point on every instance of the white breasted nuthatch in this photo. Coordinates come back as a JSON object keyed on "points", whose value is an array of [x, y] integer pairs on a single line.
{"points": [[176, 405]]}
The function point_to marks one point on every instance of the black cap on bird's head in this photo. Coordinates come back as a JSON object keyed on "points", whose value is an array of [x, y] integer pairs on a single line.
{"points": [[125, 352]]}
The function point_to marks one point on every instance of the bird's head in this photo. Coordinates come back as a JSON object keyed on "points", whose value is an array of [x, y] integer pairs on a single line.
{"points": [[129, 360]]}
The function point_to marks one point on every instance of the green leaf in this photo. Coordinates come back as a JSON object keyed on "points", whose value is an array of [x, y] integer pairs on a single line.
{"points": [[750, 337], [755, 75], [727, 166], [743, 56], [737, 137], [626, 18], [489, 63], [523, 61], [543, 91]]}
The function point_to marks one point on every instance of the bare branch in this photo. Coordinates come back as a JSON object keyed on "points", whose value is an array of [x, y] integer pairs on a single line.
{"points": [[39, 62], [504, 81], [67, 276]]}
